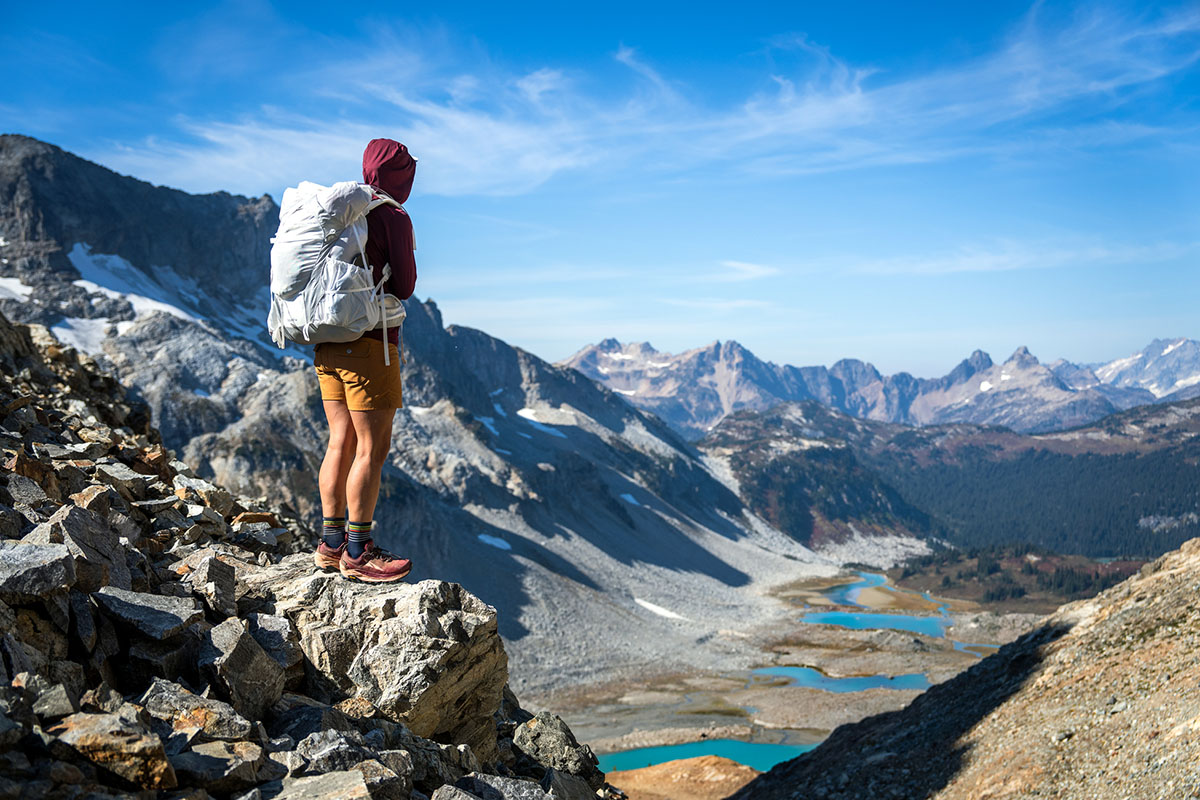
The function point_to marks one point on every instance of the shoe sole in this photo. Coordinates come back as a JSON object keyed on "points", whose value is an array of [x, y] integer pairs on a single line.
{"points": [[360, 578], [326, 563]]}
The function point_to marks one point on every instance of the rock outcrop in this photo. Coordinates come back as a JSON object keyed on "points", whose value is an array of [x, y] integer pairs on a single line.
{"points": [[1101, 702], [158, 632]]}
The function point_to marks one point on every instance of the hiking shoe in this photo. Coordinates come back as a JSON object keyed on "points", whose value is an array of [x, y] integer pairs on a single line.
{"points": [[326, 557], [374, 566]]}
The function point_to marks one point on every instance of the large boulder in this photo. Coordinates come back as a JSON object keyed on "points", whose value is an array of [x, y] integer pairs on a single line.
{"points": [[251, 679], [428, 655]]}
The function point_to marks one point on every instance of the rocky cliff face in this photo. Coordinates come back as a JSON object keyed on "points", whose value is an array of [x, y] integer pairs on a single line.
{"points": [[792, 468], [156, 633], [695, 389], [538, 490]]}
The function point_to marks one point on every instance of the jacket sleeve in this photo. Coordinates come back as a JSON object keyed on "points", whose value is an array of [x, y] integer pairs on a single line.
{"points": [[392, 234]]}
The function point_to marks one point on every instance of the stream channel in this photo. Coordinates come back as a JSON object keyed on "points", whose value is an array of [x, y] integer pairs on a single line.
{"points": [[764, 755]]}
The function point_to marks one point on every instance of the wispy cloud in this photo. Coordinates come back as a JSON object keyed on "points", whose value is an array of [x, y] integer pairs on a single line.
{"points": [[491, 131], [1003, 256], [743, 271]]}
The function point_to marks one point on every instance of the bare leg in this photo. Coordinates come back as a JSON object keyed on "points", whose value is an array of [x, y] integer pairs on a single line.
{"points": [[373, 430], [339, 457]]}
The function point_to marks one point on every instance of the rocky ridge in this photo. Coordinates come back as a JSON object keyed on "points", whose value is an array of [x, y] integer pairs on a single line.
{"points": [[1100, 701], [694, 390], [161, 636]]}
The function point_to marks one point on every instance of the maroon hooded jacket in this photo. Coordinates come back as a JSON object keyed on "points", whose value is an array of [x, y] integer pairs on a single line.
{"points": [[387, 165]]}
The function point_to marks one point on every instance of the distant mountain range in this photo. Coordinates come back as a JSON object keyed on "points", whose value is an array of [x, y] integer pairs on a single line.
{"points": [[694, 390]]}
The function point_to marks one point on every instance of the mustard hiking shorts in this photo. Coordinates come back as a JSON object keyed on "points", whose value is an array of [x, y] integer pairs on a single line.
{"points": [[354, 373]]}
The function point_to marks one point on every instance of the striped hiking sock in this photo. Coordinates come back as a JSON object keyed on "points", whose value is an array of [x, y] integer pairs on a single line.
{"points": [[357, 534], [333, 531]]}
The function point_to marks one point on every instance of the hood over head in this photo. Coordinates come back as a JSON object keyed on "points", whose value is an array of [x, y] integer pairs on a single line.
{"points": [[387, 165]]}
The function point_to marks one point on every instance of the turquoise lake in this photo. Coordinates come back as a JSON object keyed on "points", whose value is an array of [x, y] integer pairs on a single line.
{"points": [[759, 755], [929, 626], [763, 756], [812, 679]]}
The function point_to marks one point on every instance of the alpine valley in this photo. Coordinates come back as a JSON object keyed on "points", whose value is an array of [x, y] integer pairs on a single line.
{"points": [[652, 529], [550, 490]]}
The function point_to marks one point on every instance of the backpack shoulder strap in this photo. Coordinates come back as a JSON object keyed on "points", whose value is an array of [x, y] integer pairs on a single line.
{"points": [[380, 198]]}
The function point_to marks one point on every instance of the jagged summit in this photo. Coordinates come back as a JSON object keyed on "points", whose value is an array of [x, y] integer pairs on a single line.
{"points": [[695, 389]]}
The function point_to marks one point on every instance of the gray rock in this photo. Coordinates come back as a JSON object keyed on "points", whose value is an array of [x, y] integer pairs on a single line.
{"points": [[31, 571], [565, 786], [196, 490], [10, 732], [236, 663], [332, 751], [287, 763], [216, 582], [450, 792], [220, 767], [182, 709], [297, 716], [149, 659], [25, 490], [55, 702], [157, 505], [547, 740], [100, 558], [153, 615], [10, 523], [129, 484], [382, 782], [495, 787], [427, 655], [118, 744], [279, 639], [348, 785]]}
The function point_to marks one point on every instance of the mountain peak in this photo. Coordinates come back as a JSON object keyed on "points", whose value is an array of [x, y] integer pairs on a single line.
{"points": [[1021, 357]]}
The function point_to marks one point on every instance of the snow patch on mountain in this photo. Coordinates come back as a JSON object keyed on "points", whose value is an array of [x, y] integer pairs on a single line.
{"points": [[85, 335], [530, 415], [13, 289], [113, 276], [657, 609]]}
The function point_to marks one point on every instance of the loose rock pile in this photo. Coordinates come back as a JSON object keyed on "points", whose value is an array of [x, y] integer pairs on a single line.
{"points": [[163, 637]]}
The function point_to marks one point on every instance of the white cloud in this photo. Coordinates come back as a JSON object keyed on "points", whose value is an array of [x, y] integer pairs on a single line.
{"points": [[743, 271], [1003, 256], [484, 130]]}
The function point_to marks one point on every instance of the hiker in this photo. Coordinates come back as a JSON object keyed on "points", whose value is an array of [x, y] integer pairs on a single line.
{"points": [[361, 392]]}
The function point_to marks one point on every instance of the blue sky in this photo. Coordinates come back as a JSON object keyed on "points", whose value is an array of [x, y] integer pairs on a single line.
{"points": [[875, 180]]}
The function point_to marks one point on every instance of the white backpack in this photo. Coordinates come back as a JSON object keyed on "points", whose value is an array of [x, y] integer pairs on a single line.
{"points": [[321, 284]]}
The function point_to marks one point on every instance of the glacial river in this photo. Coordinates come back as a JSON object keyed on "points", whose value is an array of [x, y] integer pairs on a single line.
{"points": [[762, 756]]}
